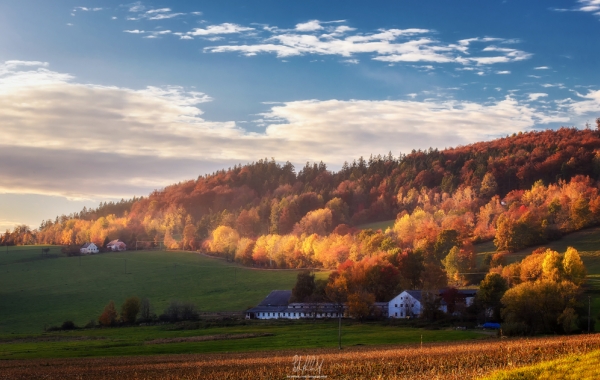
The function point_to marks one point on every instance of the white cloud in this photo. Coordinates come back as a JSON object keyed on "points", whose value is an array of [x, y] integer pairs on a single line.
{"points": [[136, 7], [152, 14], [503, 72], [163, 16], [225, 28], [590, 104], [537, 95], [309, 26], [50, 122], [541, 68], [161, 10], [387, 45], [589, 6], [135, 31], [352, 61], [592, 6], [86, 9]]}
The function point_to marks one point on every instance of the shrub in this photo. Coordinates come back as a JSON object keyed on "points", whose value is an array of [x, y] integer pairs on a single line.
{"points": [[514, 329], [109, 315], [68, 325], [179, 311], [130, 309]]}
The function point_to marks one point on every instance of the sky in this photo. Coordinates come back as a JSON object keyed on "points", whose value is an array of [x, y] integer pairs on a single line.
{"points": [[103, 100]]}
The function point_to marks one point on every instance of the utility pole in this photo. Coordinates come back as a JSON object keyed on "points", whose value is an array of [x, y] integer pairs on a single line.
{"points": [[589, 311], [340, 326]]}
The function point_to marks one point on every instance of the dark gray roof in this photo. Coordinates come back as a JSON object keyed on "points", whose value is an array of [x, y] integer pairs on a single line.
{"points": [[267, 309], [277, 298], [86, 245], [416, 294]]}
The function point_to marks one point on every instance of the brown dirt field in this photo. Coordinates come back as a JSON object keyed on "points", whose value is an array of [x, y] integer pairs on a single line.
{"points": [[432, 361], [206, 338]]}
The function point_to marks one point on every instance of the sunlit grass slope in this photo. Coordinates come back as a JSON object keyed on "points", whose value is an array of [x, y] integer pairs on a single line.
{"points": [[575, 367]]}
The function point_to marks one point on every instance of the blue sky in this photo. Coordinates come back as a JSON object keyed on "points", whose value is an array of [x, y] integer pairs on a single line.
{"points": [[103, 99]]}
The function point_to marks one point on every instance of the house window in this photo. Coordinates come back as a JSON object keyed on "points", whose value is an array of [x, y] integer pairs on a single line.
{"points": [[402, 314], [396, 305], [395, 314]]}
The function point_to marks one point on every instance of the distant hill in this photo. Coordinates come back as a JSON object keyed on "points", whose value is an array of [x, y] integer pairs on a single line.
{"points": [[466, 189]]}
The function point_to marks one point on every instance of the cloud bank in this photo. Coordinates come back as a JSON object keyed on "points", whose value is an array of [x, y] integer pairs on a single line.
{"points": [[67, 138]]}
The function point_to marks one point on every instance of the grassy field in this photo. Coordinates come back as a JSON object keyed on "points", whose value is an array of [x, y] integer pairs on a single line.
{"points": [[255, 336], [37, 290], [454, 361], [377, 225], [575, 367]]}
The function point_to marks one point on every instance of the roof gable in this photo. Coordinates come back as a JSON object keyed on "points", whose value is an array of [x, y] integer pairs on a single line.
{"points": [[277, 298]]}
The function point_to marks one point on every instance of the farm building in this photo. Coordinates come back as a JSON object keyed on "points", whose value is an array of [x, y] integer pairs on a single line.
{"points": [[277, 306], [406, 304], [116, 245], [409, 303], [88, 248]]}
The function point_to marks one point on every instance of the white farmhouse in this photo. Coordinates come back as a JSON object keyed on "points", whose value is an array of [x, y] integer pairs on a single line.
{"points": [[405, 305], [88, 248]]}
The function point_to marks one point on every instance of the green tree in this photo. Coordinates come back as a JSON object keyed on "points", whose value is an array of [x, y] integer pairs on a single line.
{"points": [[456, 264], [145, 310], [490, 292], [444, 243], [539, 305], [304, 288], [130, 309]]}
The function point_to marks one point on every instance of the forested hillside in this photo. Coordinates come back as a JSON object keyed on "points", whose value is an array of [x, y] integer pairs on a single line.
{"points": [[519, 190]]}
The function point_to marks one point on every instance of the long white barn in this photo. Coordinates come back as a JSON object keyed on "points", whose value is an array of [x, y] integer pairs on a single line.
{"points": [[277, 306]]}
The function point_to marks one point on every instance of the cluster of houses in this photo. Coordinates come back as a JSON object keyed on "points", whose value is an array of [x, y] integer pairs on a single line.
{"points": [[408, 304], [115, 246]]}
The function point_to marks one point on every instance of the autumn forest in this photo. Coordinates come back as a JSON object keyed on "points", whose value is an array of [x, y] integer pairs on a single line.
{"points": [[519, 191]]}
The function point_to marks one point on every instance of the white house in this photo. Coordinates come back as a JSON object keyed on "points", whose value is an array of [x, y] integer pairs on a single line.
{"points": [[88, 248], [116, 245], [409, 303], [405, 305]]}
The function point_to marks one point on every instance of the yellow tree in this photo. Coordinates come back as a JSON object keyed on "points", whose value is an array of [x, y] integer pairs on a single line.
{"points": [[224, 240], [552, 265], [573, 266]]}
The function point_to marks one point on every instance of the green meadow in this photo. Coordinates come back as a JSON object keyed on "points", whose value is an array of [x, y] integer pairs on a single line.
{"points": [[43, 290], [268, 335], [378, 225]]}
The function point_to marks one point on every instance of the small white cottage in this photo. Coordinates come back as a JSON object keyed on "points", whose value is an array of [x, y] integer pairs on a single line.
{"points": [[88, 248], [116, 246]]}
